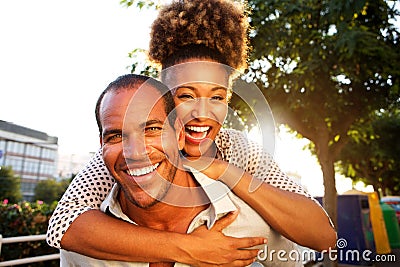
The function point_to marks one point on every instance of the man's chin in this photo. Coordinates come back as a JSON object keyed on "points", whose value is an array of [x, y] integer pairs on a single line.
{"points": [[145, 201]]}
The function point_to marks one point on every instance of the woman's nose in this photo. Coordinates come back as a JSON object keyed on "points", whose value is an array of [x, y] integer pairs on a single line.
{"points": [[201, 109]]}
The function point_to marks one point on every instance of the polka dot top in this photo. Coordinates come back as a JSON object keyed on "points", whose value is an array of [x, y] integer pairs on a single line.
{"points": [[92, 184]]}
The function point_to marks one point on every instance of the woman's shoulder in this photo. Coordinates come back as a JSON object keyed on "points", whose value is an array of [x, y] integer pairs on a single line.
{"points": [[235, 145], [232, 138], [231, 134]]}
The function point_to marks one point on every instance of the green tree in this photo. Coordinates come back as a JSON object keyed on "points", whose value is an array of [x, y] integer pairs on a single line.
{"points": [[50, 190], [323, 67], [10, 185], [330, 64], [373, 153]]}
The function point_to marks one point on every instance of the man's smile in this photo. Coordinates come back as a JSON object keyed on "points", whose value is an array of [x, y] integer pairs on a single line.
{"points": [[143, 170]]}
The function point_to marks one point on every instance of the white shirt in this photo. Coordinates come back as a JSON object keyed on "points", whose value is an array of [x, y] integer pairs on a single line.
{"points": [[222, 200]]}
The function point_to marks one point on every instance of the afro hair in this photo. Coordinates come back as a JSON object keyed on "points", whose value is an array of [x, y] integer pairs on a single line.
{"points": [[205, 29]]}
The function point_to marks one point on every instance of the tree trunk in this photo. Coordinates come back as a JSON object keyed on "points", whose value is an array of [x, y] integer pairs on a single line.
{"points": [[330, 198]]}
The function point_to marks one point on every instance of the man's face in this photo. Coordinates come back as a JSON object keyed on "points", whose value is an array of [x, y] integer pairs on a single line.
{"points": [[140, 147]]}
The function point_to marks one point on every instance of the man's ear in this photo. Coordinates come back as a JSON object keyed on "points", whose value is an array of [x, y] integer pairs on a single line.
{"points": [[101, 140], [180, 133]]}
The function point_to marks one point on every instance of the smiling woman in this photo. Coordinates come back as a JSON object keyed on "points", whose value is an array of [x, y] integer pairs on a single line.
{"points": [[201, 94]]}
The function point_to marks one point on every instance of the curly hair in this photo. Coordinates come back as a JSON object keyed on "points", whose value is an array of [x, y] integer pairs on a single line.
{"points": [[206, 29]]}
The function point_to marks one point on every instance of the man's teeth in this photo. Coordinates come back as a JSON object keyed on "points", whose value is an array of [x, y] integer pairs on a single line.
{"points": [[143, 171], [198, 128]]}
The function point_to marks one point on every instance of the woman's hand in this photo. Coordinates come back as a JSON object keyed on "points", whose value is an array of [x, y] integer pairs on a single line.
{"points": [[211, 167], [216, 169]]}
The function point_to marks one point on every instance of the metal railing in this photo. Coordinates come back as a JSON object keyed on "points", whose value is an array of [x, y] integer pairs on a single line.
{"points": [[9, 240]]}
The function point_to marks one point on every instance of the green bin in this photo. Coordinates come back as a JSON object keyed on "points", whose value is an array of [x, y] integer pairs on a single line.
{"points": [[392, 225]]}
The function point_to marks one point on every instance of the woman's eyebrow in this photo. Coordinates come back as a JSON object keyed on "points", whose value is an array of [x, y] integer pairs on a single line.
{"points": [[219, 88], [193, 88], [185, 87]]}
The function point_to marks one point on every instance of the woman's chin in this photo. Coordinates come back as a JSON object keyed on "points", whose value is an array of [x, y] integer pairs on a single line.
{"points": [[202, 149]]}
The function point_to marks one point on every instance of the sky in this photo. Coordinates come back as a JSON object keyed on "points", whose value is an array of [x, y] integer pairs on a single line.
{"points": [[56, 57]]}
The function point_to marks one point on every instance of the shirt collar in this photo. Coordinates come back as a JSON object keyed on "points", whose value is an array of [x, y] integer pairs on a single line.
{"points": [[218, 194], [111, 204]]}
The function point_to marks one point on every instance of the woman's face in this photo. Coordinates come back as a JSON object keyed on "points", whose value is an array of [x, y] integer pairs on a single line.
{"points": [[200, 94]]}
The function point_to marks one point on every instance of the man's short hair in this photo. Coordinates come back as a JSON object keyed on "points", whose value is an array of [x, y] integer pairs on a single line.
{"points": [[134, 81]]}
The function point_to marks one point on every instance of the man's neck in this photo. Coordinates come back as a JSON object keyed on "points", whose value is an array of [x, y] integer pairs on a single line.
{"points": [[168, 214]]}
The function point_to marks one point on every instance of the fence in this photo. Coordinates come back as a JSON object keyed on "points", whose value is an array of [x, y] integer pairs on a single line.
{"points": [[28, 238]]}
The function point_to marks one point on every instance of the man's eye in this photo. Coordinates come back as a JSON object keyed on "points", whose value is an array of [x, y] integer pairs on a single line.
{"points": [[115, 138], [153, 129]]}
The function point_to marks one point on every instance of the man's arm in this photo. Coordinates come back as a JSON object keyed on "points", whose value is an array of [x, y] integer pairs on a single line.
{"points": [[113, 239]]}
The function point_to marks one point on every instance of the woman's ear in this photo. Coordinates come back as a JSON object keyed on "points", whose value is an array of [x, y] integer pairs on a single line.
{"points": [[180, 133]]}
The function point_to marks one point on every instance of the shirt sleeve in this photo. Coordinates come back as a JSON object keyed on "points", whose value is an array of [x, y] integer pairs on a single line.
{"points": [[250, 156], [87, 191]]}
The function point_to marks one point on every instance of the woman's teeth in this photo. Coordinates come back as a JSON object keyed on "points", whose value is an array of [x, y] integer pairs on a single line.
{"points": [[198, 128], [197, 132], [143, 171]]}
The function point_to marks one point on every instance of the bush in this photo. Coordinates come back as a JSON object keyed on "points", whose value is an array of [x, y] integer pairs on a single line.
{"points": [[25, 218], [50, 190]]}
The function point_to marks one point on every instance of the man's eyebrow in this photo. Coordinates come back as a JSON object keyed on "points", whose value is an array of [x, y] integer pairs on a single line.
{"points": [[151, 122], [111, 131]]}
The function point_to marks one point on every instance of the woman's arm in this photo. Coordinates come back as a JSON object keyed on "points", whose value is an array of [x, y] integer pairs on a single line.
{"points": [[113, 239], [295, 216], [78, 225], [86, 192]]}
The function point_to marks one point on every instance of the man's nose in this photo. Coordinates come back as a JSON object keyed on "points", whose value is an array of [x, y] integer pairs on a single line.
{"points": [[135, 147]]}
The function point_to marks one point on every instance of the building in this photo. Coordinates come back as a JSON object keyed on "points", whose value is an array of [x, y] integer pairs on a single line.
{"points": [[31, 154]]}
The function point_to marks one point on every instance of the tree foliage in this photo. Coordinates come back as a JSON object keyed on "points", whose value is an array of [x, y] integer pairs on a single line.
{"points": [[10, 185], [50, 190], [373, 153], [324, 66], [141, 3]]}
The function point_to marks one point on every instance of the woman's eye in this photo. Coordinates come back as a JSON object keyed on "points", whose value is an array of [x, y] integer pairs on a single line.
{"points": [[218, 98], [185, 97]]}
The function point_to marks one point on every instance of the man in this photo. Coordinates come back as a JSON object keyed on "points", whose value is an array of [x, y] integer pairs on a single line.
{"points": [[141, 138]]}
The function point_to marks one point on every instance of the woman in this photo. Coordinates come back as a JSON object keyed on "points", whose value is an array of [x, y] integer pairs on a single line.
{"points": [[210, 32]]}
